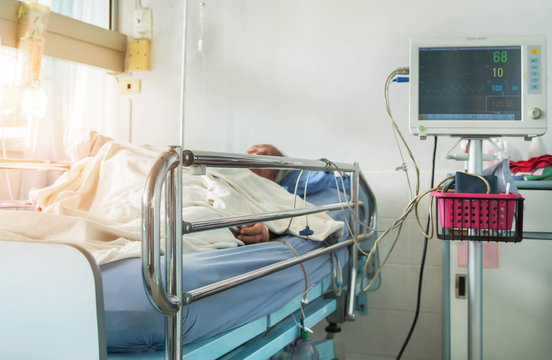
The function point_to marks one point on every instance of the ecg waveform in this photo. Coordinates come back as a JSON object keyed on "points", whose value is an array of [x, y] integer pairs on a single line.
{"points": [[470, 70], [453, 90], [456, 83]]}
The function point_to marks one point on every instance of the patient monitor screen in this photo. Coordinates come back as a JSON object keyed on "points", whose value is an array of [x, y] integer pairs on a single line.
{"points": [[470, 83]]}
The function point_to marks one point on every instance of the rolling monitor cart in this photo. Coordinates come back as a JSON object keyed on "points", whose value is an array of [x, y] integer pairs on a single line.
{"points": [[476, 88]]}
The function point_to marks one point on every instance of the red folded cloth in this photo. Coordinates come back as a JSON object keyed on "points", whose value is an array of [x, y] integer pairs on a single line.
{"points": [[531, 164]]}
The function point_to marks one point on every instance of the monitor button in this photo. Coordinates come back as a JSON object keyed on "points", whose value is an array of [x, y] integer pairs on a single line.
{"points": [[535, 113]]}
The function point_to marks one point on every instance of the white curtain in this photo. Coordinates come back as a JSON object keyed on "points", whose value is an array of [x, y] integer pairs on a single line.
{"points": [[75, 100]]}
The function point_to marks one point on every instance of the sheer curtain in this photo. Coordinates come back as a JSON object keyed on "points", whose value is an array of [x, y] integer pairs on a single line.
{"points": [[75, 100]]}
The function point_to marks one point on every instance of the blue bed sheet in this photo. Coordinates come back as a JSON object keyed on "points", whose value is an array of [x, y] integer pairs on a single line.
{"points": [[133, 325]]}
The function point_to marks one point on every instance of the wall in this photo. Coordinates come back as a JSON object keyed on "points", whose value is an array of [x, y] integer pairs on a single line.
{"points": [[152, 116], [308, 76]]}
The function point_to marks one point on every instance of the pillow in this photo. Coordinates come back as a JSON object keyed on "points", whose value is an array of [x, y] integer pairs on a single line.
{"points": [[317, 181]]}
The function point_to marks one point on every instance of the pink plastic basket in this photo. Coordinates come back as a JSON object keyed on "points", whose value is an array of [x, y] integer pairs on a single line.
{"points": [[476, 211]]}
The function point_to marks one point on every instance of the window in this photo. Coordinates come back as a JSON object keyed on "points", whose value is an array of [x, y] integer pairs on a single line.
{"points": [[11, 123], [64, 85], [93, 12]]}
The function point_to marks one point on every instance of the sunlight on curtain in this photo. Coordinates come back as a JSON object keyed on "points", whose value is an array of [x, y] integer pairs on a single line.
{"points": [[8, 100], [75, 99]]}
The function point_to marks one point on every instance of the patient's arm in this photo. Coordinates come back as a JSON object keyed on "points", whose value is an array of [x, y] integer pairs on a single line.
{"points": [[254, 233]]}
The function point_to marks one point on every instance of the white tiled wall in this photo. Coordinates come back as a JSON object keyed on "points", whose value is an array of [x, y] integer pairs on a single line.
{"points": [[381, 333]]}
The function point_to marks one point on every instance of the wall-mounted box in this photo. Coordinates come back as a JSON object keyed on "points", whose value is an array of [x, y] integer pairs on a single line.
{"points": [[139, 54]]}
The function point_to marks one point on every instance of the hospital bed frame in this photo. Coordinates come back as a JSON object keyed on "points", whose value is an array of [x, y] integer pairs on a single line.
{"points": [[71, 302], [166, 172]]}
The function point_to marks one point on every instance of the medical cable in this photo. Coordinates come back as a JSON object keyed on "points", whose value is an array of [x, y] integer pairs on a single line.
{"points": [[361, 222], [422, 265], [397, 224], [345, 216], [414, 200], [340, 172], [390, 78], [306, 231], [362, 251], [413, 205], [294, 198], [304, 330], [368, 254], [337, 275]]}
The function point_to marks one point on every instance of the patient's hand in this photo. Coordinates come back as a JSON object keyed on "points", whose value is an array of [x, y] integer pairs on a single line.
{"points": [[253, 233]]}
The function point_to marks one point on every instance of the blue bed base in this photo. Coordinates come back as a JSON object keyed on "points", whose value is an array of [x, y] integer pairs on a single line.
{"points": [[264, 337], [267, 336]]}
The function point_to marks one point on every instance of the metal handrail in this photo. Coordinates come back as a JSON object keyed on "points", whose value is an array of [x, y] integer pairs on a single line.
{"points": [[373, 208], [151, 233], [353, 250], [170, 300], [223, 285], [225, 222], [216, 159]]}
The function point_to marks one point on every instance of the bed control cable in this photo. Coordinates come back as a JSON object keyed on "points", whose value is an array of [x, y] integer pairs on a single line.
{"points": [[424, 253]]}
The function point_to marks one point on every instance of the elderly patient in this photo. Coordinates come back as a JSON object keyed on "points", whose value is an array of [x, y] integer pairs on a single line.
{"points": [[98, 203], [255, 233]]}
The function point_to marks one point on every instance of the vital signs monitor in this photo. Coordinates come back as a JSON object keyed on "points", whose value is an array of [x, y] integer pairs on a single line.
{"points": [[478, 86]]}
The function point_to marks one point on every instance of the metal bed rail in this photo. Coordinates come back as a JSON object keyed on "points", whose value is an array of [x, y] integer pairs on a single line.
{"points": [[211, 289], [166, 173]]}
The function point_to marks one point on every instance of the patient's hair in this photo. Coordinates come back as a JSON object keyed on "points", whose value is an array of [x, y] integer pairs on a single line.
{"points": [[266, 149]]}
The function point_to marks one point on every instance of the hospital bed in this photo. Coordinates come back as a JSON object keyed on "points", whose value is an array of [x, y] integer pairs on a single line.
{"points": [[237, 303]]}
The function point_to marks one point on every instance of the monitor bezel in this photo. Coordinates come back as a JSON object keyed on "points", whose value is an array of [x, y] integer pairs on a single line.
{"points": [[525, 127]]}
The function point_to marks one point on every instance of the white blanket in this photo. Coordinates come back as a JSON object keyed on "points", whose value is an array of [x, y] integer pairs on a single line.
{"points": [[97, 204]]}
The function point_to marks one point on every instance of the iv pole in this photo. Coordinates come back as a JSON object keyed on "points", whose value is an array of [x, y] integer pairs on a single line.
{"points": [[475, 267]]}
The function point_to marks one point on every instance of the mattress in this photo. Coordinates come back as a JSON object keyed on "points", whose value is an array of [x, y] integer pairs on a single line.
{"points": [[133, 325]]}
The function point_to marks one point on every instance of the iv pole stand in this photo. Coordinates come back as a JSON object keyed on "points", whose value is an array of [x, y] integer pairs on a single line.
{"points": [[475, 267]]}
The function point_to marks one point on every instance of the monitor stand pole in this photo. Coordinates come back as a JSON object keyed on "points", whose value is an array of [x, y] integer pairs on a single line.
{"points": [[475, 268]]}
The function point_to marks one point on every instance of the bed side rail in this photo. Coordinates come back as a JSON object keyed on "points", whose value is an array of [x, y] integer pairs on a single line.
{"points": [[166, 173], [165, 297], [216, 159]]}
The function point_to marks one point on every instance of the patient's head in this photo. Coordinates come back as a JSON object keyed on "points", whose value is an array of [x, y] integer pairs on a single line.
{"points": [[265, 149]]}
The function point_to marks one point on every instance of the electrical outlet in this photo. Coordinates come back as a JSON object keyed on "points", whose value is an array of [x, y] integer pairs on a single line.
{"points": [[129, 86], [139, 54]]}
